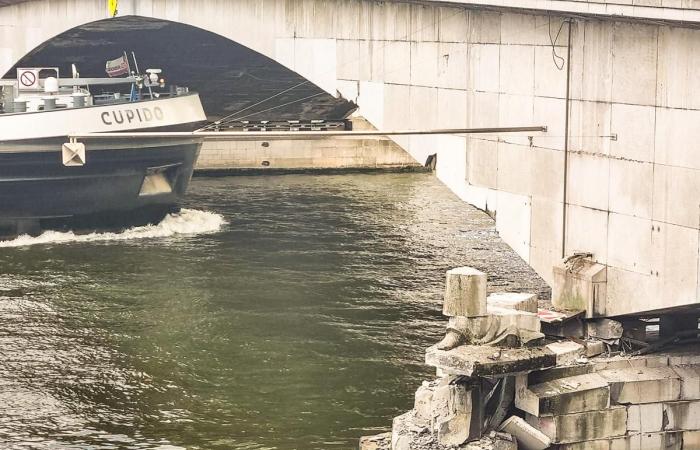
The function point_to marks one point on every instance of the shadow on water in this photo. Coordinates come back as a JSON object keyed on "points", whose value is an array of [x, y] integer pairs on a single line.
{"points": [[300, 324]]}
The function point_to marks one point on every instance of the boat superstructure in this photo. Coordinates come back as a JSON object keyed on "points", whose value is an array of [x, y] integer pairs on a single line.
{"points": [[45, 179]]}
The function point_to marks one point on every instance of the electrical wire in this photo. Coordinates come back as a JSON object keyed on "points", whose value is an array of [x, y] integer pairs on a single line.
{"points": [[559, 65], [274, 107], [225, 119]]}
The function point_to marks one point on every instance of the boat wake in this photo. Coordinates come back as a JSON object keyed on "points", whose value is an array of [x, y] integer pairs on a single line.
{"points": [[186, 222]]}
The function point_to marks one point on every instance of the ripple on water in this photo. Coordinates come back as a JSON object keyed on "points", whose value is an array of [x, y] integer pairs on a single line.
{"points": [[293, 315]]}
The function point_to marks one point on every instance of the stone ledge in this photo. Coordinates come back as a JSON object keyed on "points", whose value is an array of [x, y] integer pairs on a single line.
{"points": [[482, 361]]}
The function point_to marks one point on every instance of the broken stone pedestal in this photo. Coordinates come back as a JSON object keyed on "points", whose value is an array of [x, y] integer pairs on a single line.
{"points": [[503, 319], [465, 293]]}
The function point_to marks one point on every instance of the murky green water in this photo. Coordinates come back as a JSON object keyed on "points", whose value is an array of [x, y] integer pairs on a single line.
{"points": [[301, 324]]}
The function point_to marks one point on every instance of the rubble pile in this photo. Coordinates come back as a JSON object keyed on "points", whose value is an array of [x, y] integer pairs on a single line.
{"points": [[513, 375]]}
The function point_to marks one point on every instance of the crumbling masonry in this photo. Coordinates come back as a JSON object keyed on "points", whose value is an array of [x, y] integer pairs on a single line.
{"points": [[518, 373]]}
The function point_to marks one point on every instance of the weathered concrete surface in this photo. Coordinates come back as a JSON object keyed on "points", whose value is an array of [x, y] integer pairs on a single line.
{"points": [[465, 293], [585, 426], [569, 395], [281, 155], [483, 361], [518, 301], [642, 385]]}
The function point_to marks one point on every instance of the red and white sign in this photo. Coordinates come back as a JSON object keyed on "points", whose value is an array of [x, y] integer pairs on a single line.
{"points": [[28, 78]]}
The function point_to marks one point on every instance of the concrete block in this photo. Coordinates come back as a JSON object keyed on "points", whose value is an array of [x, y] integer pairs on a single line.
{"points": [[376, 442], [600, 444], [684, 357], [682, 415], [628, 362], [485, 60], [513, 222], [465, 293], [424, 63], [457, 413], [422, 404], [476, 360], [482, 163], [513, 79], [594, 348], [631, 292], [634, 126], [454, 431], [485, 27], [558, 372], [671, 184], [604, 329], [629, 243], [511, 300], [579, 286], [549, 81], [647, 418], [587, 231], [679, 68], [514, 168], [675, 263], [642, 385], [521, 320], [400, 432], [514, 109], [634, 64], [627, 195], [567, 352], [590, 126], [550, 111], [588, 180], [585, 426], [526, 435], [674, 132], [691, 439], [570, 395]]}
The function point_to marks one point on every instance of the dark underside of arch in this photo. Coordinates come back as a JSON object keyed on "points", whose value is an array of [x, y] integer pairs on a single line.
{"points": [[228, 76]]}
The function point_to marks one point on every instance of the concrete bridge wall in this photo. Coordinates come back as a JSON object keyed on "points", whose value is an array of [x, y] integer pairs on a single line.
{"points": [[633, 202]]}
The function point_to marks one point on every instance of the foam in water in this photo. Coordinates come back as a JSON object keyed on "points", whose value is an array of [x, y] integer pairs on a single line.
{"points": [[186, 222]]}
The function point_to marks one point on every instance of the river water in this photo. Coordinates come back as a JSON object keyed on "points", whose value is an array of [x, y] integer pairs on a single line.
{"points": [[284, 312]]}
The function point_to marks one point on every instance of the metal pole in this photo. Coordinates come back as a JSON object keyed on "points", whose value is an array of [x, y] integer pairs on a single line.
{"points": [[566, 144], [270, 135]]}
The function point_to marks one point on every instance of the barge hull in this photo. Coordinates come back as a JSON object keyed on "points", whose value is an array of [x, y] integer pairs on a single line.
{"points": [[126, 182]]}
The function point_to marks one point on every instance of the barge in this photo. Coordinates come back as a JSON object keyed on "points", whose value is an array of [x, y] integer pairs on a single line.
{"points": [[48, 182]]}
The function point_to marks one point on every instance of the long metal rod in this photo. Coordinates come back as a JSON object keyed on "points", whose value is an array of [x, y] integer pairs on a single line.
{"points": [[566, 144], [299, 134]]}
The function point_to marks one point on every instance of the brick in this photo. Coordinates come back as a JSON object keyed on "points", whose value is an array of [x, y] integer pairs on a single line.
{"points": [[646, 418], [570, 395], [585, 426], [642, 385]]}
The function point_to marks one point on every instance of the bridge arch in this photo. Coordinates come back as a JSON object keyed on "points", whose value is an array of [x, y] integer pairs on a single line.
{"points": [[260, 25], [229, 76]]}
